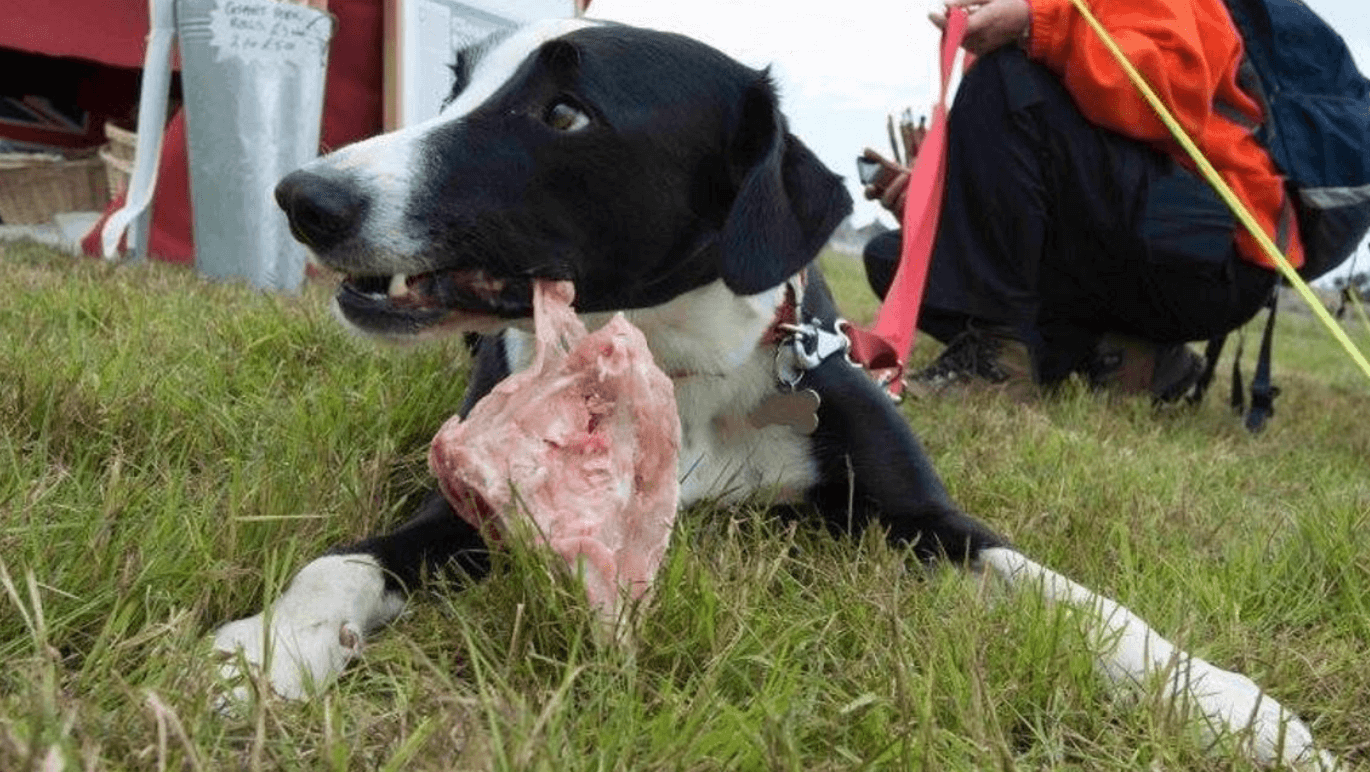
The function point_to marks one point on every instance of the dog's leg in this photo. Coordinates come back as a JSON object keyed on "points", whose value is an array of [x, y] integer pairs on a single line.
{"points": [[872, 469], [306, 638], [871, 473], [319, 623], [1131, 654]]}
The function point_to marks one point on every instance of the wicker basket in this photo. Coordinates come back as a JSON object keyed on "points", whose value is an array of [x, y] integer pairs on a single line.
{"points": [[35, 186], [118, 157]]}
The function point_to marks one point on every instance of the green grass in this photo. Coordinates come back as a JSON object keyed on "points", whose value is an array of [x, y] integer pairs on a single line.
{"points": [[173, 450]]}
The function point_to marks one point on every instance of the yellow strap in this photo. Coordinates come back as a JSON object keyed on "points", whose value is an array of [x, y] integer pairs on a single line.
{"points": [[1238, 208]]}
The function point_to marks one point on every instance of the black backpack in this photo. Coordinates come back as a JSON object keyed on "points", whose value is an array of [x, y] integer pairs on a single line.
{"points": [[1317, 131], [1317, 122]]}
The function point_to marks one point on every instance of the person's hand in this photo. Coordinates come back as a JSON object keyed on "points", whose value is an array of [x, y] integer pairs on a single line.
{"points": [[892, 195], [991, 23]]}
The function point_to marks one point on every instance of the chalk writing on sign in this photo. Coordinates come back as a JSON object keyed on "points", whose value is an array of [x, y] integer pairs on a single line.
{"points": [[269, 31]]}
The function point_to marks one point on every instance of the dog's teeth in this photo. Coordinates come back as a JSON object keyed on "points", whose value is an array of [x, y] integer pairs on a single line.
{"points": [[399, 285]]}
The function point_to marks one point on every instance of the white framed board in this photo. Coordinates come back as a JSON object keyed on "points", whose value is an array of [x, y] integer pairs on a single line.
{"points": [[422, 36]]}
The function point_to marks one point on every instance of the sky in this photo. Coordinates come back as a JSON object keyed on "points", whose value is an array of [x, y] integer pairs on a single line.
{"points": [[842, 67]]}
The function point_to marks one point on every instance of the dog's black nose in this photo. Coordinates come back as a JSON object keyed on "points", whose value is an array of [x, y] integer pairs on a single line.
{"points": [[323, 212]]}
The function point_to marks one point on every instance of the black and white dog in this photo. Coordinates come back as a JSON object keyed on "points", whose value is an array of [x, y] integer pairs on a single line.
{"points": [[657, 174]]}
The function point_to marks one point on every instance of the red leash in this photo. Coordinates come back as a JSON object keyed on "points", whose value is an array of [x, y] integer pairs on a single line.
{"points": [[885, 348]]}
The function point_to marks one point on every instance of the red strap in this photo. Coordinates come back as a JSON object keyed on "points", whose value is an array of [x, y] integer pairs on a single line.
{"points": [[887, 346]]}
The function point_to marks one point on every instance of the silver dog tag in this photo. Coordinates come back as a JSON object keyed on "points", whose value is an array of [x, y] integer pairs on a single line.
{"points": [[795, 409]]}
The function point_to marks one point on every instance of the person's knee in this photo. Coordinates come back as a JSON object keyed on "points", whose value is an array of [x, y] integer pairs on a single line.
{"points": [[881, 257]]}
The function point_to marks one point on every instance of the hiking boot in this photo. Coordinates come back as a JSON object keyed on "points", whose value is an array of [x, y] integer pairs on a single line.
{"points": [[979, 356], [1129, 365]]}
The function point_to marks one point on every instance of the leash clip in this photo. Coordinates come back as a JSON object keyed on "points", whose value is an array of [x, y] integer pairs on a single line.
{"points": [[806, 346]]}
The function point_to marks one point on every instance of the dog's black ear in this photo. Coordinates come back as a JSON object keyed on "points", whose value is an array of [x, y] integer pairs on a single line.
{"points": [[787, 202]]}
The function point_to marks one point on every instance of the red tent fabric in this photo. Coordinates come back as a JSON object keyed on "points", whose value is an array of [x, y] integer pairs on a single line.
{"points": [[114, 33], [106, 31]]}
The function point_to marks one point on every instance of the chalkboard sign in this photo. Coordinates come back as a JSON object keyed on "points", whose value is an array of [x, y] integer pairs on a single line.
{"points": [[421, 37]]}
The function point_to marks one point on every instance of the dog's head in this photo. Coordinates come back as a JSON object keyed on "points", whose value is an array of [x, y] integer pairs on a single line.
{"points": [[638, 164]]}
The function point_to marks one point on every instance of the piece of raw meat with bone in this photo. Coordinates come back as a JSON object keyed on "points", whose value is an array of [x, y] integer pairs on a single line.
{"points": [[583, 443]]}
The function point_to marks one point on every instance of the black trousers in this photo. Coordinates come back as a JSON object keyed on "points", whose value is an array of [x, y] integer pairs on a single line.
{"points": [[1064, 230]]}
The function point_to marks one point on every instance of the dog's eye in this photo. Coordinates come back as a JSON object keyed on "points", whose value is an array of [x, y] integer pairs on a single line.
{"points": [[564, 116]]}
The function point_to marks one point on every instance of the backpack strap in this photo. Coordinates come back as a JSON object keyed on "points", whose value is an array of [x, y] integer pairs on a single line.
{"points": [[1236, 396], [1212, 351], [1263, 392]]}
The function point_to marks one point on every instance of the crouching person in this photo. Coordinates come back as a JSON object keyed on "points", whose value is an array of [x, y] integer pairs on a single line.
{"points": [[1075, 235]]}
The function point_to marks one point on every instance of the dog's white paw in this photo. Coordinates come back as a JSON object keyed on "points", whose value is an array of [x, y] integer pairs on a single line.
{"points": [[1231, 702], [311, 633], [1132, 654], [294, 655]]}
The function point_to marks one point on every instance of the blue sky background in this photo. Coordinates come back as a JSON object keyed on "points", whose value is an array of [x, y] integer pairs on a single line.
{"points": [[843, 66]]}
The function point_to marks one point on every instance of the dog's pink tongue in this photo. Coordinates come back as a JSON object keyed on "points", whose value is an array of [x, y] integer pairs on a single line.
{"points": [[584, 442]]}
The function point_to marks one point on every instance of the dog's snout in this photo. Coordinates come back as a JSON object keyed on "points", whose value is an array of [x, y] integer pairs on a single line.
{"points": [[323, 212]]}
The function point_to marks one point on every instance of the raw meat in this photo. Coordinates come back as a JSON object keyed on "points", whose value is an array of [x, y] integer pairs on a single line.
{"points": [[584, 443]]}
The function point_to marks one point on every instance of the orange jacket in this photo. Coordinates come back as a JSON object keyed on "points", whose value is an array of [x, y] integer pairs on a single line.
{"points": [[1189, 51]]}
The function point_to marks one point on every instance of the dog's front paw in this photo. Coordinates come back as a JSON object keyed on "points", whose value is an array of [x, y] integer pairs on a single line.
{"points": [[292, 654], [1231, 702], [1131, 654], [311, 633]]}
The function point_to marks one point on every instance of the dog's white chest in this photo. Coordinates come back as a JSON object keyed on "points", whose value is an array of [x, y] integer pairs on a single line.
{"points": [[723, 455]]}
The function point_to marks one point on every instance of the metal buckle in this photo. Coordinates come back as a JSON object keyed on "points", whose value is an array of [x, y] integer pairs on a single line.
{"points": [[806, 347]]}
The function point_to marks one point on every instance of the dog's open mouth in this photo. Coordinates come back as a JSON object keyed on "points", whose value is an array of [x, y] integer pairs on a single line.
{"points": [[402, 303]]}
